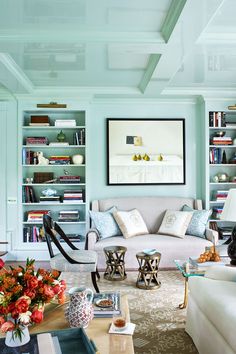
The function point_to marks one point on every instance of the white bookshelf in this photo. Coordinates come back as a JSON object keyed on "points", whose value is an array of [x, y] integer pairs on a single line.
{"points": [[27, 170]]}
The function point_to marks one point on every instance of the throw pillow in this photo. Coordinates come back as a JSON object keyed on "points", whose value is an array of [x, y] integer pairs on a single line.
{"points": [[197, 225], [105, 222], [131, 223], [175, 223]]}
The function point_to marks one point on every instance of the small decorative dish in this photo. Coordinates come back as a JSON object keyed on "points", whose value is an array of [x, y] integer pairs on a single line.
{"points": [[104, 303], [149, 251]]}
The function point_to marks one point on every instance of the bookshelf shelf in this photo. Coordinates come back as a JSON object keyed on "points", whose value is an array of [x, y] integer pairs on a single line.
{"points": [[75, 211]]}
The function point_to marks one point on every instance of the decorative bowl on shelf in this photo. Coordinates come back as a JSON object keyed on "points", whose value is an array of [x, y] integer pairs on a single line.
{"points": [[220, 177]]}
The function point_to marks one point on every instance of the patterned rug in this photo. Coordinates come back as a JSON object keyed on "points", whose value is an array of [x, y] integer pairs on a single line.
{"points": [[159, 322]]}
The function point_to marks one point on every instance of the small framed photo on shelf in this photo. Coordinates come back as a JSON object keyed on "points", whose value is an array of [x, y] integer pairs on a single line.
{"points": [[145, 151]]}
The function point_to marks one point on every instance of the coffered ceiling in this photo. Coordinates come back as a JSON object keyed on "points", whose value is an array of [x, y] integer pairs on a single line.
{"points": [[118, 47]]}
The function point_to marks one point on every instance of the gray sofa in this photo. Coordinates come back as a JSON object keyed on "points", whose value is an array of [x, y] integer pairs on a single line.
{"points": [[152, 210]]}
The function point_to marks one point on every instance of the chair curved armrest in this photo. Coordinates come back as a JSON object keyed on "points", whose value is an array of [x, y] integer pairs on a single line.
{"points": [[212, 235], [92, 237]]}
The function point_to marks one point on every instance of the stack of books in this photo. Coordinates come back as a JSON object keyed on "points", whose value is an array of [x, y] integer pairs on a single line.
{"points": [[39, 121], [217, 212], [73, 196], [79, 137], [58, 143], [68, 216], [28, 195], [216, 119], [36, 216], [220, 196], [33, 234], [106, 304], [59, 160], [230, 125], [34, 140], [62, 123], [49, 199], [29, 157], [222, 140], [69, 179]]}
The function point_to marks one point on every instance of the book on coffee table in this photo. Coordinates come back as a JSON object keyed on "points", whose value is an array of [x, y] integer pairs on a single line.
{"points": [[106, 304]]}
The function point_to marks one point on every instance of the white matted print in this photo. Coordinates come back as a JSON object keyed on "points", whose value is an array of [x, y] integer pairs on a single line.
{"points": [[145, 151]]}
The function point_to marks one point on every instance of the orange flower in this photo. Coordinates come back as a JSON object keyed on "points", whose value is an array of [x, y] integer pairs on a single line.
{"points": [[22, 304], [32, 282], [55, 273]]}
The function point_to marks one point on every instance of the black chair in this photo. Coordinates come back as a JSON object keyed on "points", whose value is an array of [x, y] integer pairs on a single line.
{"points": [[75, 260]]}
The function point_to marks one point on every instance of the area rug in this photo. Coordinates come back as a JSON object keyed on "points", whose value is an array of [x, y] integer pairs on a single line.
{"points": [[159, 321]]}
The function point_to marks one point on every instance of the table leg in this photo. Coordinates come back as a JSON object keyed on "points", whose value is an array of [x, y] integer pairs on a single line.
{"points": [[185, 303]]}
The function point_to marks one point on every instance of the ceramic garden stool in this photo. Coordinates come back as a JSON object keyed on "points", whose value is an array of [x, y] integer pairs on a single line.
{"points": [[115, 269], [148, 271]]}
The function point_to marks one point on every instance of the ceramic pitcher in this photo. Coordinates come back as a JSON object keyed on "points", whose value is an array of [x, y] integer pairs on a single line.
{"points": [[80, 310]]}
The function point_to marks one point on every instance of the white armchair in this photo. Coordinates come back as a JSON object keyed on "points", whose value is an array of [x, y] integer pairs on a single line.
{"points": [[211, 312]]}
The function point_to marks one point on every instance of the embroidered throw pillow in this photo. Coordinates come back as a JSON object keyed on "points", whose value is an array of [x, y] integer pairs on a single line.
{"points": [[175, 223], [105, 222], [197, 225], [131, 223]]}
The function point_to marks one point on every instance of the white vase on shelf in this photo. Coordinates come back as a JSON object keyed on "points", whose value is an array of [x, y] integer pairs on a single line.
{"points": [[77, 159]]}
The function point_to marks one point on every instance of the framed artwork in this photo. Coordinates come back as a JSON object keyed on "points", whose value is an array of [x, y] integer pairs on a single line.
{"points": [[145, 151]]}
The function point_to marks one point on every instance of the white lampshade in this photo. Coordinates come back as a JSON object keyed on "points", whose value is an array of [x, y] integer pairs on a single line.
{"points": [[229, 210]]}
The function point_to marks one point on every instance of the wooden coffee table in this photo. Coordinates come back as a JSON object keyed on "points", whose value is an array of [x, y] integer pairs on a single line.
{"points": [[97, 330]]}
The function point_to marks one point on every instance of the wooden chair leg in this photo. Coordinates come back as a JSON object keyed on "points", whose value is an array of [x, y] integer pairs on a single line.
{"points": [[94, 281], [97, 273]]}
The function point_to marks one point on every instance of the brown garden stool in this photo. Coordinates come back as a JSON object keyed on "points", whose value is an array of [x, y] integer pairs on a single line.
{"points": [[148, 271], [115, 262]]}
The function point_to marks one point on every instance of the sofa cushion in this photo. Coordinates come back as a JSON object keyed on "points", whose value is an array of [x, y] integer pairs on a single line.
{"points": [[175, 223], [105, 222], [197, 225], [217, 300], [170, 248], [130, 222]]}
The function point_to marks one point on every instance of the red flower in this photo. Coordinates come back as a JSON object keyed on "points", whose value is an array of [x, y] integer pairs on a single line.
{"points": [[30, 293], [63, 285], [2, 320], [7, 326], [37, 316], [56, 289], [32, 282], [22, 304], [2, 263], [48, 291]]}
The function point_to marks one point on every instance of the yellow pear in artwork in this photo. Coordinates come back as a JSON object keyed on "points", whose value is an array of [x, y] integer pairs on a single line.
{"points": [[134, 158], [146, 157], [160, 157], [139, 157]]}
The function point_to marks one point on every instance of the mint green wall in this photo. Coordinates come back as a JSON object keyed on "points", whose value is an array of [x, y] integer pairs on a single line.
{"points": [[96, 161]]}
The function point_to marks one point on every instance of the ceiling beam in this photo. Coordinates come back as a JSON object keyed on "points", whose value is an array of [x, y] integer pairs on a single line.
{"points": [[13, 76], [172, 17], [183, 39], [152, 63], [50, 34]]}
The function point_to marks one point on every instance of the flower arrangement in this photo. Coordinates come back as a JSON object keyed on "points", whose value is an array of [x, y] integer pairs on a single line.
{"points": [[23, 294]]}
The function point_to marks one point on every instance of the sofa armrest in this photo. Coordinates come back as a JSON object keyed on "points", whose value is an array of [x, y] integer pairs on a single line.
{"points": [[92, 237], [212, 235], [219, 272]]}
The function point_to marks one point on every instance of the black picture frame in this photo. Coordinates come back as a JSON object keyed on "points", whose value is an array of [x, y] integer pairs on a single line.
{"points": [[161, 139]]}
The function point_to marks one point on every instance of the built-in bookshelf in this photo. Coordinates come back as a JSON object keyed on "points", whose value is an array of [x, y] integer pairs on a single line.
{"points": [[52, 173], [221, 167]]}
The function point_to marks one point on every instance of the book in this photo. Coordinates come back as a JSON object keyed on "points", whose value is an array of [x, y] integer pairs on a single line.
{"points": [[57, 143], [100, 311]]}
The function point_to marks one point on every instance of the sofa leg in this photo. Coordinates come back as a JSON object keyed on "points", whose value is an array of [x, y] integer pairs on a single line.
{"points": [[94, 281]]}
